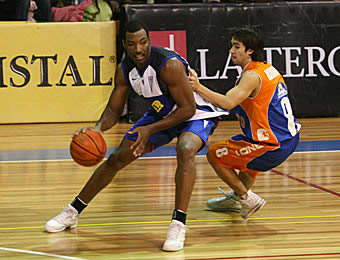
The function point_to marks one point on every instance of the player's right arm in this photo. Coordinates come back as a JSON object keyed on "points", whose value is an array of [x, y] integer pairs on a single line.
{"points": [[249, 85], [115, 106]]}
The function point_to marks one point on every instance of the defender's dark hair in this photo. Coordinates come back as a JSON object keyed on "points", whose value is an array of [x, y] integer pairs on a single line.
{"points": [[251, 39], [134, 26]]}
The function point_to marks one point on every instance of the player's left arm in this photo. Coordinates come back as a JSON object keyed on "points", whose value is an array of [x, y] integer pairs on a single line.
{"points": [[174, 77]]}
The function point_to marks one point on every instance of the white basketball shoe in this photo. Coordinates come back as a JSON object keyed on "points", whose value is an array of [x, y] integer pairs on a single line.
{"points": [[225, 203], [251, 204], [66, 219], [176, 236]]}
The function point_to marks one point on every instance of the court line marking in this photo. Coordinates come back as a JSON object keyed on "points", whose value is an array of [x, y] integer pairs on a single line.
{"points": [[266, 256], [306, 182], [39, 253], [168, 221]]}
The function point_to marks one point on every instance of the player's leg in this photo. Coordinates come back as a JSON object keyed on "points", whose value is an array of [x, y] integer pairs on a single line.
{"points": [[187, 146], [229, 176], [104, 174], [192, 137], [250, 159], [227, 202], [248, 201], [225, 157], [247, 179], [101, 177]]}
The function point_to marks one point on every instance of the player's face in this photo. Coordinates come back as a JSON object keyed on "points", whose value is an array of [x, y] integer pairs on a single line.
{"points": [[137, 46], [239, 55]]}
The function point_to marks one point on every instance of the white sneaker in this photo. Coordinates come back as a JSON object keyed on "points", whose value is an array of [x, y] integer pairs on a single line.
{"points": [[66, 219], [176, 236], [250, 205], [225, 203]]}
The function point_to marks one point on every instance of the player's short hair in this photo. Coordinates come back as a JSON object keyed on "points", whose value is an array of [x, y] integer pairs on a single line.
{"points": [[134, 26], [251, 39]]}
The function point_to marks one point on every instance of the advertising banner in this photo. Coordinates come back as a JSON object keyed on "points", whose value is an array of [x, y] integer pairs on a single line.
{"points": [[55, 72], [302, 41]]}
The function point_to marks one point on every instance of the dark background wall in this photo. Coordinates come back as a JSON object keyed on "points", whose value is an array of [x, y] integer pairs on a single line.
{"points": [[302, 41]]}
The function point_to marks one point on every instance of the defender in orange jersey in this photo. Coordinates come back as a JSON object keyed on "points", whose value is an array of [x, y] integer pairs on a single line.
{"points": [[270, 130]]}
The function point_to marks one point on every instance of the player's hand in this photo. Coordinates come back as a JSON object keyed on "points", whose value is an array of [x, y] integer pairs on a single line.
{"points": [[95, 128], [193, 79], [143, 137]]}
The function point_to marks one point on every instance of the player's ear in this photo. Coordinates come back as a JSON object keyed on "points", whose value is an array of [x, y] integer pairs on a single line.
{"points": [[123, 42]]}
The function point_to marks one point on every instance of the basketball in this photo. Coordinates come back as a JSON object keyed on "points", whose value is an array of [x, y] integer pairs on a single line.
{"points": [[88, 147]]}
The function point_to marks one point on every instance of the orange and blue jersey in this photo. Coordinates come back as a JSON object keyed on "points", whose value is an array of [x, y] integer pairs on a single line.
{"points": [[271, 132], [267, 117]]}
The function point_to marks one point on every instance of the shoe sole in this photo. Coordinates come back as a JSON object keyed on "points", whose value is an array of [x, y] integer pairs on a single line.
{"points": [[60, 230], [254, 210], [172, 250]]}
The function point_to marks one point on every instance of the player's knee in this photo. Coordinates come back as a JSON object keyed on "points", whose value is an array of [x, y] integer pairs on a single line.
{"points": [[185, 153]]}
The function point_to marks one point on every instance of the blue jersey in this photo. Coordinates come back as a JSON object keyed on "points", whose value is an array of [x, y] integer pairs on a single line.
{"points": [[147, 84]]}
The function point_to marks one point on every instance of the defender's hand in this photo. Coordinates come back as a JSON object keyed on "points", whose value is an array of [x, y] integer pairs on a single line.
{"points": [[195, 83]]}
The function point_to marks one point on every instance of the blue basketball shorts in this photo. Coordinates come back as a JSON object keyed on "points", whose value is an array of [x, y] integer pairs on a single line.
{"points": [[203, 128]]}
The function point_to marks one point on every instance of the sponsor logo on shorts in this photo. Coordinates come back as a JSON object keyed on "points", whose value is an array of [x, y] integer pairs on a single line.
{"points": [[262, 134], [248, 149]]}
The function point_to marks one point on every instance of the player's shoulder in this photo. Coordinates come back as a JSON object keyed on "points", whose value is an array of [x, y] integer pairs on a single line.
{"points": [[162, 57], [249, 74], [173, 64]]}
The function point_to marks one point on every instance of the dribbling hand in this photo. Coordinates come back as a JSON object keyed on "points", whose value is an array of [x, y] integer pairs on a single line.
{"points": [[96, 128]]}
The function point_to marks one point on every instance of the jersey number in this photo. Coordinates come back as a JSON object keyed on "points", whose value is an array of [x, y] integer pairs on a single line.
{"points": [[221, 152], [288, 112]]}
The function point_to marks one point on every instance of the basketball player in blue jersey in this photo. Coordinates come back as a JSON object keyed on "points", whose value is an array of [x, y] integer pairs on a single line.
{"points": [[160, 76]]}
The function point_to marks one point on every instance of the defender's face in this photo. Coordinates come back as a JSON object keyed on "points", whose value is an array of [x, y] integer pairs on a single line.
{"points": [[137, 46], [239, 55]]}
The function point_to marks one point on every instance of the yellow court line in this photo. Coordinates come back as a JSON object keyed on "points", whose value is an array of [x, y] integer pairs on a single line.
{"points": [[193, 220]]}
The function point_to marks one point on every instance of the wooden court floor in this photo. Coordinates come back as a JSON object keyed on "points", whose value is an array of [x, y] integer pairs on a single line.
{"points": [[130, 218]]}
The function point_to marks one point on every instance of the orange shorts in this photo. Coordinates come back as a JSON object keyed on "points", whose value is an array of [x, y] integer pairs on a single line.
{"points": [[252, 158]]}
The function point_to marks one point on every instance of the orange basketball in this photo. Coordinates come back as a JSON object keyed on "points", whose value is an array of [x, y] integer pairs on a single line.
{"points": [[88, 147]]}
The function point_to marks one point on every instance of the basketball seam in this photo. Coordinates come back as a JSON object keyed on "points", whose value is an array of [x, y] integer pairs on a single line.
{"points": [[75, 157], [75, 142], [94, 142]]}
